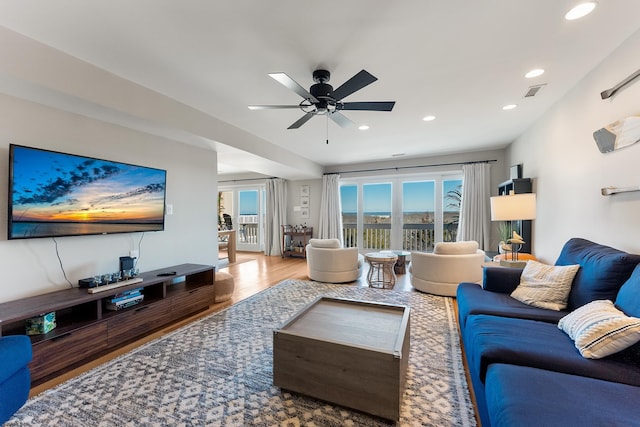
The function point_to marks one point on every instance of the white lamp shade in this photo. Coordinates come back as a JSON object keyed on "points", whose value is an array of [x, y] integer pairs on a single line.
{"points": [[513, 207]]}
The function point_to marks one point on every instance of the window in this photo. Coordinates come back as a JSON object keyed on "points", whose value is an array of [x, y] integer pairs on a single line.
{"points": [[243, 207], [418, 215], [410, 213], [452, 197]]}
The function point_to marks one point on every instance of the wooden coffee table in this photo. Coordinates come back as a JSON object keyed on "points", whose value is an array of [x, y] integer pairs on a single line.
{"points": [[352, 353]]}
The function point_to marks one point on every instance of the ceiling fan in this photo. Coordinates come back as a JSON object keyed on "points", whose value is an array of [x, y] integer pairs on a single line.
{"points": [[322, 99]]}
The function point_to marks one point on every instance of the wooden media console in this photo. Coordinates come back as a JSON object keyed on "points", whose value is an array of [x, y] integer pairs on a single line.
{"points": [[86, 330]]}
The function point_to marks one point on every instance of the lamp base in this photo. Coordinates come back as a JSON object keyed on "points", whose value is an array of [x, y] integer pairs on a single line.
{"points": [[512, 264]]}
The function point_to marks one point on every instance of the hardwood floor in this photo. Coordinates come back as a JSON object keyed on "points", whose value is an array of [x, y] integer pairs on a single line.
{"points": [[252, 272]]}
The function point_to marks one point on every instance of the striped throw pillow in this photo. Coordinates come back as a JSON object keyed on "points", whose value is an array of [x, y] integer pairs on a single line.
{"points": [[599, 329], [545, 286]]}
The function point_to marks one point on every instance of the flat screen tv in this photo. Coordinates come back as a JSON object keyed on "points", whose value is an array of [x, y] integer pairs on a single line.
{"points": [[54, 194]]}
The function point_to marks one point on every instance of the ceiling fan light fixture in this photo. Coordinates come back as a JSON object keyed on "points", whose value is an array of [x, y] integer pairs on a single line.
{"points": [[363, 127], [580, 10], [509, 107], [536, 72], [429, 118]]}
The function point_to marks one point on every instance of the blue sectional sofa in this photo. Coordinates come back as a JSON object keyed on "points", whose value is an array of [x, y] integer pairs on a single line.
{"points": [[525, 370], [15, 379]]}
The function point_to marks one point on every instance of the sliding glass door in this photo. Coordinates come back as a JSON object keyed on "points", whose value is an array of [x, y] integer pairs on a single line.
{"points": [[242, 209], [408, 213]]}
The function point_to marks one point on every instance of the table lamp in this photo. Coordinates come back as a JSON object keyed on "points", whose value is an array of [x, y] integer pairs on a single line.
{"points": [[514, 207]]}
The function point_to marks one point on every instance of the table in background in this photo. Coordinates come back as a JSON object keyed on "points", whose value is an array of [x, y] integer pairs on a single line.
{"points": [[381, 273], [231, 243], [401, 263]]}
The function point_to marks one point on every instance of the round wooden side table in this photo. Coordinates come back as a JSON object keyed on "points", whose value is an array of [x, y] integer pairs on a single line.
{"points": [[381, 274]]}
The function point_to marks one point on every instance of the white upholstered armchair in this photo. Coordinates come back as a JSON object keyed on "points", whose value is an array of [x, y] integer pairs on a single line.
{"points": [[450, 264], [328, 261]]}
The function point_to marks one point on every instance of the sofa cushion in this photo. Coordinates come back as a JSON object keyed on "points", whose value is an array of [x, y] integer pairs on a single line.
{"points": [[492, 339], [524, 396], [325, 243], [455, 248], [599, 329], [628, 299], [472, 299], [545, 286], [603, 270]]}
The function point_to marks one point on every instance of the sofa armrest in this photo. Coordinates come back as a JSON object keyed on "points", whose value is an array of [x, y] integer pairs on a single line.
{"points": [[501, 279], [15, 353]]}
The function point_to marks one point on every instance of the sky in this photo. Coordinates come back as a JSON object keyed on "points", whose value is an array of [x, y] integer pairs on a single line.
{"points": [[417, 196], [248, 202], [51, 186]]}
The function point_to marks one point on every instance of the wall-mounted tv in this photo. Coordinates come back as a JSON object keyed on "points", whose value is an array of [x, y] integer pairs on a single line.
{"points": [[55, 194]]}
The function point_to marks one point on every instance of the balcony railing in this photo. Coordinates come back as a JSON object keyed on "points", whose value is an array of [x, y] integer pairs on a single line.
{"points": [[415, 237], [248, 233]]}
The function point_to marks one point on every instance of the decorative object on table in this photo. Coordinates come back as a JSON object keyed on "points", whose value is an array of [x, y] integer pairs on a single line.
{"points": [[41, 324], [605, 94], [515, 243], [619, 134], [514, 208], [608, 191]]}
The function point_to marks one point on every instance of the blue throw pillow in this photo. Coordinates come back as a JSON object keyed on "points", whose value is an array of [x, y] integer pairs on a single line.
{"points": [[602, 273], [628, 299]]}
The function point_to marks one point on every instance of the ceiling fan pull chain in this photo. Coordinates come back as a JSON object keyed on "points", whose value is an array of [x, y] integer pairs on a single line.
{"points": [[327, 128]]}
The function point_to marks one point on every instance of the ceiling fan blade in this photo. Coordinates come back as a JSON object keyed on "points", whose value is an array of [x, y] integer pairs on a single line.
{"points": [[369, 106], [287, 81], [341, 120], [357, 82], [271, 107], [302, 120]]}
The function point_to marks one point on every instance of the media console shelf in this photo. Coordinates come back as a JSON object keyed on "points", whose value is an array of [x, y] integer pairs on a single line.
{"points": [[86, 330]]}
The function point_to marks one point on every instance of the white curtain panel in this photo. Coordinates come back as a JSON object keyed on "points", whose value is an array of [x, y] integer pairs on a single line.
{"points": [[330, 223], [475, 221], [275, 215]]}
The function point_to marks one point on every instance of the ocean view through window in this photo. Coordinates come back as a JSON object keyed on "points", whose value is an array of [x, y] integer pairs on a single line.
{"points": [[400, 213]]}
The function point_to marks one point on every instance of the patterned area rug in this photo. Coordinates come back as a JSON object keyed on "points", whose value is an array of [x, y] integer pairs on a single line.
{"points": [[217, 371]]}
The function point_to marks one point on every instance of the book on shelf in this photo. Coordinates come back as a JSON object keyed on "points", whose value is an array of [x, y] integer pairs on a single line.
{"points": [[124, 295], [124, 303]]}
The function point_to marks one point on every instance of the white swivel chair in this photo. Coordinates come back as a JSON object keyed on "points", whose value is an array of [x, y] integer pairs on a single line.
{"points": [[450, 264], [328, 261]]}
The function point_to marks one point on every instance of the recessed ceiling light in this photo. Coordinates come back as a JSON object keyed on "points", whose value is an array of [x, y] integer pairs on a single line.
{"points": [[534, 73], [363, 127], [428, 118], [509, 107], [580, 10]]}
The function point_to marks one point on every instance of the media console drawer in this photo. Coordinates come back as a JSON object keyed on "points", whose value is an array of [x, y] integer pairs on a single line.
{"points": [[61, 351], [191, 301], [136, 321]]}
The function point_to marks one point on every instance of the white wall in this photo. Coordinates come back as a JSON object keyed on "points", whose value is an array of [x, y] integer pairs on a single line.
{"points": [[560, 154], [31, 267], [294, 216]]}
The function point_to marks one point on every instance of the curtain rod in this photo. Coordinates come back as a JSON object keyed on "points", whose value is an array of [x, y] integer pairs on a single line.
{"points": [[414, 167], [250, 179]]}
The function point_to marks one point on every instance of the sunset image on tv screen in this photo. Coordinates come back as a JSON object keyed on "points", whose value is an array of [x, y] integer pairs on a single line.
{"points": [[56, 194]]}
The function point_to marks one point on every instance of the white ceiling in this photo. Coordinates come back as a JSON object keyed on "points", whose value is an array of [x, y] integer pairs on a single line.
{"points": [[460, 60]]}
